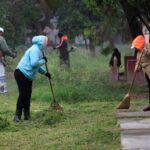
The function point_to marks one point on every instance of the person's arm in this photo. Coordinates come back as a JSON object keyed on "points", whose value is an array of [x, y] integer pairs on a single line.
{"points": [[6, 50], [62, 44], [138, 65], [2, 59], [42, 70], [35, 59]]}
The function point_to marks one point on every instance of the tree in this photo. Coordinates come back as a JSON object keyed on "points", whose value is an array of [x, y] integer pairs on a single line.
{"points": [[5, 23], [85, 17], [16, 16], [75, 18], [136, 11], [23, 14]]}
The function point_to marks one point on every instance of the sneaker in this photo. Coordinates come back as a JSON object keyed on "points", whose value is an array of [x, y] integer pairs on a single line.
{"points": [[147, 108], [28, 117], [17, 118]]}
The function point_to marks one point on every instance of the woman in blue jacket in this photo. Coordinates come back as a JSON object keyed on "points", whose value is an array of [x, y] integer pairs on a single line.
{"points": [[30, 64]]}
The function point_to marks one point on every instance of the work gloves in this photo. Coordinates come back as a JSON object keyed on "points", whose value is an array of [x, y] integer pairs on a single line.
{"points": [[47, 74], [14, 54], [45, 59]]}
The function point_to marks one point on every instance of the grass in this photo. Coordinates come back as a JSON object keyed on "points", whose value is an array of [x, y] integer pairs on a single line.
{"points": [[88, 120], [87, 125]]}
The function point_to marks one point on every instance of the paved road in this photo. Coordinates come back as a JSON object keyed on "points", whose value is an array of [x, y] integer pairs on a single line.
{"points": [[134, 130]]}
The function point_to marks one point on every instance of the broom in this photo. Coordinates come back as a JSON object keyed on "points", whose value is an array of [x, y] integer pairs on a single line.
{"points": [[55, 105], [125, 103]]}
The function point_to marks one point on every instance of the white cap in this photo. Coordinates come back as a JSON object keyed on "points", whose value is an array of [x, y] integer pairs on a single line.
{"points": [[1, 29]]}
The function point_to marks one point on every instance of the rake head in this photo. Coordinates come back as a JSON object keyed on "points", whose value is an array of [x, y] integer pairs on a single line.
{"points": [[56, 106], [125, 103]]}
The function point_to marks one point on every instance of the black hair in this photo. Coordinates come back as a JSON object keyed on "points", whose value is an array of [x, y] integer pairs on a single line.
{"points": [[60, 34], [117, 54]]}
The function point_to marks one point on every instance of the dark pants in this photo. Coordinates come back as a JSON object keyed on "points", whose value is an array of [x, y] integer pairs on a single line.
{"points": [[65, 62], [25, 90], [148, 82], [64, 58]]}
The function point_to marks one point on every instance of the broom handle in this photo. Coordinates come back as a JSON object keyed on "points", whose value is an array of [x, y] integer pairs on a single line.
{"points": [[135, 74], [50, 83]]}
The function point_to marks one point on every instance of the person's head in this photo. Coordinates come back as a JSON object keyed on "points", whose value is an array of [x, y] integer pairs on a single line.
{"points": [[1, 31], [115, 50], [60, 34], [40, 40]]}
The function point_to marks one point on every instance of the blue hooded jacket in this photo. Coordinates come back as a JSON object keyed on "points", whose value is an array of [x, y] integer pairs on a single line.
{"points": [[32, 60]]}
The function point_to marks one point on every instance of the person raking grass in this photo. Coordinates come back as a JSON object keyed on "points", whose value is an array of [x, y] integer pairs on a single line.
{"points": [[29, 65]]}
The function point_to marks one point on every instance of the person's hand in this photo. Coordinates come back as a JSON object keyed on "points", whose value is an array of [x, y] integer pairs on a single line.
{"points": [[137, 68], [45, 59], [47, 74], [14, 55], [3, 61], [54, 47], [71, 49]]}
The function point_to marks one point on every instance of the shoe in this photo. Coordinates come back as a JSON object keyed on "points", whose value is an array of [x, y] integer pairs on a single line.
{"points": [[17, 118], [27, 114], [27, 117], [147, 108]]}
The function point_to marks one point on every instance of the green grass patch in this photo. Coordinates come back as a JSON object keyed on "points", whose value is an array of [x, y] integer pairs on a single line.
{"points": [[3, 123], [88, 120], [87, 125]]}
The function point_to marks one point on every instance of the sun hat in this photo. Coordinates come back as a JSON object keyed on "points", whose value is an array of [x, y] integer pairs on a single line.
{"points": [[138, 43]]}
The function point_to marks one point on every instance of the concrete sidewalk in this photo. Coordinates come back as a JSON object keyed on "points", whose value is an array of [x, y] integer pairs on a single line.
{"points": [[134, 130]]}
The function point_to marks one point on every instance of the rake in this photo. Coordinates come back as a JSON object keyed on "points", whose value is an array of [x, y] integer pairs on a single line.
{"points": [[125, 103], [54, 104]]}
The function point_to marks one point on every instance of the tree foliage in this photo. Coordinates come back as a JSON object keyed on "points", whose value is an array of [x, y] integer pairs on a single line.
{"points": [[134, 10], [16, 16], [72, 17], [100, 20], [48, 6]]}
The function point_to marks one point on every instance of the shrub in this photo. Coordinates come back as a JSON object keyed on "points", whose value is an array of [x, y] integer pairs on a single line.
{"points": [[106, 48]]}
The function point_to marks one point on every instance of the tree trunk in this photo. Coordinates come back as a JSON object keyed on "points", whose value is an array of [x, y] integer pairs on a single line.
{"points": [[132, 14], [91, 46]]}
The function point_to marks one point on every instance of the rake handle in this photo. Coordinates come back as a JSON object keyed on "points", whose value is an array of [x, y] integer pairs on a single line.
{"points": [[135, 73], [50, 83]]}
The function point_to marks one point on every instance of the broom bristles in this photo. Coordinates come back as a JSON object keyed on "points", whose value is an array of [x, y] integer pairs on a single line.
{"points": [[56, 106], [125, 103]]}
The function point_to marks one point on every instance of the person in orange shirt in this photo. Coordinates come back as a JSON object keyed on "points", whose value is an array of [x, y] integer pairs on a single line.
{"points": [[63, 49]]}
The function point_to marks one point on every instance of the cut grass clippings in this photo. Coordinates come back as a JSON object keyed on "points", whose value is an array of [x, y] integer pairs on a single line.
{"points": [[88, 125]]}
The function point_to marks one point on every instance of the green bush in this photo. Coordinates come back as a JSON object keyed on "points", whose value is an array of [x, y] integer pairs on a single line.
{"points": [[107, 48]]}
